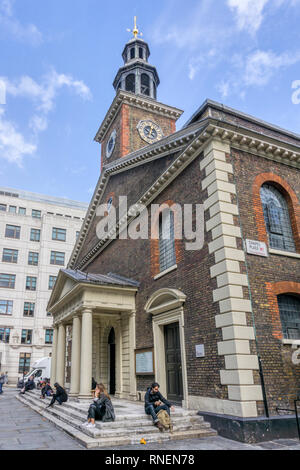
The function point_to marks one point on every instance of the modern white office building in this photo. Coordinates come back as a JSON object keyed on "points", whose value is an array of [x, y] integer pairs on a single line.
{"points": [[37, 236]]}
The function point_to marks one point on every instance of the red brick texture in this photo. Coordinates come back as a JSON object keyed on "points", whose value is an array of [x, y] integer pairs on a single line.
{"points": [[271, 275]]}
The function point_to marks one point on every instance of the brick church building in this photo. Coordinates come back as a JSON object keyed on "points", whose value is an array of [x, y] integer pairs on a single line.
{"points": [[218, 327]]}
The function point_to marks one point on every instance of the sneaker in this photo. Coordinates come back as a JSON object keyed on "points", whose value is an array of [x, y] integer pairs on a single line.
{"points": [[85, 424], [91, 425]]}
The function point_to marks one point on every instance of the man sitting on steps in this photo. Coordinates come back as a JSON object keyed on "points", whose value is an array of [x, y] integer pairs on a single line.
{"points": [[153, 404]]}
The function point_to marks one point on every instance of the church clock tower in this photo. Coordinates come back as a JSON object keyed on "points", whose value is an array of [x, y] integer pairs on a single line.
{"points": [[135, 118]]}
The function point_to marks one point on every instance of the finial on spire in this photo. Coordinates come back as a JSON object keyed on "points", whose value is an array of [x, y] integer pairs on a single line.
{"points": [[135, 30]]}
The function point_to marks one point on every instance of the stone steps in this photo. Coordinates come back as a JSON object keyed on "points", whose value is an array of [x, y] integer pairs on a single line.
{"points": [[127, 429]]}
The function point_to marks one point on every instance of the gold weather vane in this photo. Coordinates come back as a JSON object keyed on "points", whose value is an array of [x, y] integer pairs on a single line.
{"points": [[135, 30]]}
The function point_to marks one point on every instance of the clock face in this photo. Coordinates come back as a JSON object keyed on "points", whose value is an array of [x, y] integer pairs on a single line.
{"points": [[111, 143], [149, 131]]}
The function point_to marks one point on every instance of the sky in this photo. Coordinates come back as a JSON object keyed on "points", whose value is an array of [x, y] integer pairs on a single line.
{"points": [[58, 59]]}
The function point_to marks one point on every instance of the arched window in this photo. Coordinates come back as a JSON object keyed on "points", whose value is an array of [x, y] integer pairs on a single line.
{"points": [[145, 84], [277, 219], [132, 53], [141, 53], [289, 308], [167, 256], [130, 82]]}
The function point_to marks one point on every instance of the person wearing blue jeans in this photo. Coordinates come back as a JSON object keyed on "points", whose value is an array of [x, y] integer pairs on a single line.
{"points": [[154, 402], [2, 380]]}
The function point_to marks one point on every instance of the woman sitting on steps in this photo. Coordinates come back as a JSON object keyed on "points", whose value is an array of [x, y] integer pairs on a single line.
{"points": [[101, 409]]}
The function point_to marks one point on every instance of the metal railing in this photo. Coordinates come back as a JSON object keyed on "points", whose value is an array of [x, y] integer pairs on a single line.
{"points": [[292, 411]]}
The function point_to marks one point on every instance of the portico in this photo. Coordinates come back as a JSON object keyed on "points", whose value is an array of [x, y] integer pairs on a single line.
{"points": [[94, 306]]}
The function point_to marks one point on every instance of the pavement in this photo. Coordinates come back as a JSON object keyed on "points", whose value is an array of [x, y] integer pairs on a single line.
{"points": [[23, 429]]}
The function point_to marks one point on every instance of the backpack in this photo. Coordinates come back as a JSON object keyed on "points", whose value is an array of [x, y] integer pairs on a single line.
{"points": [[165, 420]]}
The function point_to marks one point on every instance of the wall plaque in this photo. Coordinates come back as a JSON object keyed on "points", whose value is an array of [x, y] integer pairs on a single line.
{"points": [[256, 248], [144, 361], [200, 350]]}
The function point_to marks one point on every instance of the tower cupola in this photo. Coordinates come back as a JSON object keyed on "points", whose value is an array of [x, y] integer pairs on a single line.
{"points": [[137, 75]]}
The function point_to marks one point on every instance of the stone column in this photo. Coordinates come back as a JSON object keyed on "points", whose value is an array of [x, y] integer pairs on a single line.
{"points": [[86, 354], [75, 357], [61, 355], [97, 351], [131, 320], [54, 356]]}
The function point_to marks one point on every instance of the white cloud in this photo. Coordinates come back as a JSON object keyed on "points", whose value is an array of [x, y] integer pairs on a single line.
{"points": [[255, 70], [13, 146], [44, 94], [261, 66], [248, 13], [12, 25]]}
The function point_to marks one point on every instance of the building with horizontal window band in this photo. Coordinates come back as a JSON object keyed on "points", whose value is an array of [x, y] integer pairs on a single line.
{"points": [[217, 327], [38, 233]]}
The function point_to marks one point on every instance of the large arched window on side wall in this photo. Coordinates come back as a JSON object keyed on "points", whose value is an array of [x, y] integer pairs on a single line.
{"points": [[289, 308], [167, 255], [145, 84], [277, 219], [130, 82]]}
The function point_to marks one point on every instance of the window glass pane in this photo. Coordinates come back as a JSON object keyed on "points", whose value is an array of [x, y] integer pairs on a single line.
{"points": [[167, 256], [28, 309], [12, 209], [12, 231], [59, 234], [4, 335], [22, 211], [26, 337], [49, 336], [9, 256], [37, 214], [132, 53], [35, 235], [289, 308], [24, 363], [33, 258], [7, 280], [277, 219], [3, 207], [6, 307], [57, 258], [30, 283], [52, 280], [141, 53]]}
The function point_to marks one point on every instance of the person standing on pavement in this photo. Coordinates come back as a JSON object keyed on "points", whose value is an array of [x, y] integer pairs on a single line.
{"points": [[2, 381], [153, 404]]}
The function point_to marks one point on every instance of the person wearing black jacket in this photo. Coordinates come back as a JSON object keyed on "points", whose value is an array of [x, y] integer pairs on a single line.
{"points": [[101, 409], [30, 385], [153, 404], [60, 395], [46, 389]]}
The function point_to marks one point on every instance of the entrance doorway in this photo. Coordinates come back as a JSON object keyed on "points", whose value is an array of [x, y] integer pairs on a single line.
{"points": [[112, 361], [173, 363]]}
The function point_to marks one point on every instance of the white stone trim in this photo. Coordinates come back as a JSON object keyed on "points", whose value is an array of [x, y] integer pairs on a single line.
{"points": [[238, 332], [233, 347], [230, 319], [241, 409], [224, 229], [223, 207], [221, 242], [227, 292], [295, 342], [284, 253], [215, 175], [232, 278], [245, 392], [224, 267], [229, 254], [218, 219], [221, 186], [241, 361], [166, 271], [236, 377]]}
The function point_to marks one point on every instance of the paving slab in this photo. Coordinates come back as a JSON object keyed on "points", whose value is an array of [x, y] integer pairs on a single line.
{"points": [[22, 428]]}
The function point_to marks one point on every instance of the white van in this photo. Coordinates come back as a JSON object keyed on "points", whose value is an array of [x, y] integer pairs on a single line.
{"points": [[41, 369]]}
